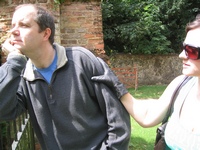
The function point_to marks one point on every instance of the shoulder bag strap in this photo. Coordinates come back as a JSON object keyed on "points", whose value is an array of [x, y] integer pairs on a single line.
{"points": [[184, 80]]}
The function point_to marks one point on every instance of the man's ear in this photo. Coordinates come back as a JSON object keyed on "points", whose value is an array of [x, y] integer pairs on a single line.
{"points": [[47, 33]]}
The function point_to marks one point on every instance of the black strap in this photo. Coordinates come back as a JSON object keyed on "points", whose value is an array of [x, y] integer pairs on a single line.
{"points": [[186, 78]]}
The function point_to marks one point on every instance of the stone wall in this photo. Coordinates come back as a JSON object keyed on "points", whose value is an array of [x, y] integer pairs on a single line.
{"points": [[152, 69]]}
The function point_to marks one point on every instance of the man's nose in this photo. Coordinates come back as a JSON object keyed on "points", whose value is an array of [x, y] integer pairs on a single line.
{"points": [[14, 31]]}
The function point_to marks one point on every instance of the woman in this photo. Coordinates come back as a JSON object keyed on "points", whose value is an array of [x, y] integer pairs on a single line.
{"points": [[183, 128]]}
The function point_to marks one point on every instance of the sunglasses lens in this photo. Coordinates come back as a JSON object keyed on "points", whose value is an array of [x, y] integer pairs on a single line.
{"points": [[191, 52]]}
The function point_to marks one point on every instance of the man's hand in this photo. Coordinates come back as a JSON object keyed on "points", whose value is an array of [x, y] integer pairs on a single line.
{"points": [[110, 79], [8, 48]]}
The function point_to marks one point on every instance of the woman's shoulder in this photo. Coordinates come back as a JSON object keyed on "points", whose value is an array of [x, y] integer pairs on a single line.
{"points": [[178, 80], [172, 87]]}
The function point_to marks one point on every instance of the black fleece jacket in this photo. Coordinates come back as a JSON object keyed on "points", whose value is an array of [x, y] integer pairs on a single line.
{"points": [[71, 112]]}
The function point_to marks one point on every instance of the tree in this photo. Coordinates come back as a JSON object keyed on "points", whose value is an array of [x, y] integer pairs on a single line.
{"points": [[146, 27], [175, 14]]}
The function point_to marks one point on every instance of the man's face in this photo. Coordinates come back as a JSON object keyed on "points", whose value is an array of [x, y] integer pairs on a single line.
{"points": [[191, 67], [25, 34]]}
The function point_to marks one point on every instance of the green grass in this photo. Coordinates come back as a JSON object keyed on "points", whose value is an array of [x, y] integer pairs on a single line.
{"points": [[143, 138], [145, 92]]}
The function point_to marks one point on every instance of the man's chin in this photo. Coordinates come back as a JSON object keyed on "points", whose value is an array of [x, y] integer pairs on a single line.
{"points": [[17, 46]]}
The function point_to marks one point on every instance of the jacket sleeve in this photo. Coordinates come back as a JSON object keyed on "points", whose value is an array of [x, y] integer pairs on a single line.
{"points": [[10, 73], [118, 119]]}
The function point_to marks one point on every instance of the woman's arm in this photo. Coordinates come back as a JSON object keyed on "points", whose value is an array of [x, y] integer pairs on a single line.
{"points": [[147, 113]]}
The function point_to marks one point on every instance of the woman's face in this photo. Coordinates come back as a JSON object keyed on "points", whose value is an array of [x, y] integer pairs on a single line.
{"points": [[191, 67]]}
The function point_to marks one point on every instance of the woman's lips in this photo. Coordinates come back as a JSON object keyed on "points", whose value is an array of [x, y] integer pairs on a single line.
{"points": [[185, 65]]}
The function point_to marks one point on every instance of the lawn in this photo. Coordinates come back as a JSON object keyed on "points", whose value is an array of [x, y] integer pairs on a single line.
{"points": [[143, 138]]}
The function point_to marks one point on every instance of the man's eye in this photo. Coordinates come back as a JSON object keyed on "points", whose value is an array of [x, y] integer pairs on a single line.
{"points": [[24, 25]]}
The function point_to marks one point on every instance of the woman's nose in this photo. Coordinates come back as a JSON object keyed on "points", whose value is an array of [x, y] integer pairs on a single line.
{"points": [[183, 55]]}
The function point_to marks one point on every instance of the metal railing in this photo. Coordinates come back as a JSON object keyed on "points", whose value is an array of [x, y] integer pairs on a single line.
{"points": [[17, 134]]}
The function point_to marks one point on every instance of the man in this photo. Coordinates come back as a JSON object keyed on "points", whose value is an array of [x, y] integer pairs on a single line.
{"points": [[67, 110]]}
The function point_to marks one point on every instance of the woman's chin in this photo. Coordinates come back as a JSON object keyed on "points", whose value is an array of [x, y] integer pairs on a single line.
{"points": [[187, 73]]}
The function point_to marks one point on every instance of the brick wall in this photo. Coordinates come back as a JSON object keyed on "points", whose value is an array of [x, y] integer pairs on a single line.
{"points": [[81, 24], [5, 22]]}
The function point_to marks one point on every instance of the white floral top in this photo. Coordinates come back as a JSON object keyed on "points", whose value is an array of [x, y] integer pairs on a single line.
{"points": [[176, 136]]}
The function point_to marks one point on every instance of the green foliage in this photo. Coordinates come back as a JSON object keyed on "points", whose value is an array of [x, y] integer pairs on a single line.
{"points": [[4, 133], [133, 27], [146, 27], [176, 14], [149, 32], [3, 129], [59, 1]]}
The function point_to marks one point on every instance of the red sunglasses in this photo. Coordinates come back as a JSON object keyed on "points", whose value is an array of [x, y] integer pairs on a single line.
{"points": [[191, 52]]}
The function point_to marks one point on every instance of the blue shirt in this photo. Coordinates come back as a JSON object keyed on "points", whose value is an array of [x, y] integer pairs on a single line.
{"points": [[47, 72]]}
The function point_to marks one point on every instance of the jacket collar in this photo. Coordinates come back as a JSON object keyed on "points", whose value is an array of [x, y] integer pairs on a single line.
{"points": [[30, 74]]}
